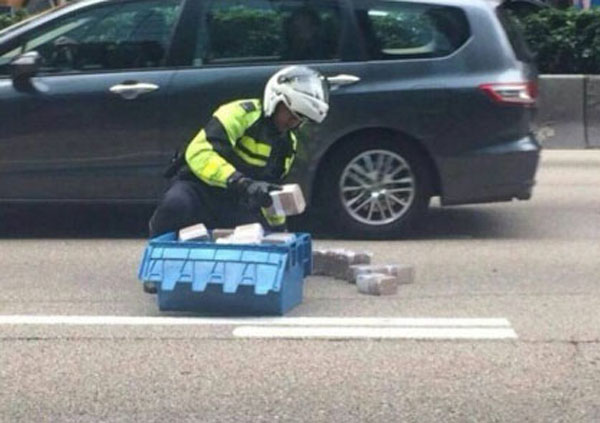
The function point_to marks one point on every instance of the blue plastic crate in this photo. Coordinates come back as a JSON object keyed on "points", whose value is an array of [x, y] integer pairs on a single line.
{"points": [[227, 279]]}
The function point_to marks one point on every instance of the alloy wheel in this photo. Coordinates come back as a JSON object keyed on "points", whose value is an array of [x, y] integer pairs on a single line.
{"points": [[377, 187]]}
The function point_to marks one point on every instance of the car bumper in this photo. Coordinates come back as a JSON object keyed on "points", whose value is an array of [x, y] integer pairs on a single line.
{"points": [[498, 173]]}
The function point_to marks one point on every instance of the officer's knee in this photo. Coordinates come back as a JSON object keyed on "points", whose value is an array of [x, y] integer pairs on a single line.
{"points": [[176, 209]]}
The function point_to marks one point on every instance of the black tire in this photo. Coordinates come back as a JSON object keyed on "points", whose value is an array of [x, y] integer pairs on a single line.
{"points": [[332, 198]]}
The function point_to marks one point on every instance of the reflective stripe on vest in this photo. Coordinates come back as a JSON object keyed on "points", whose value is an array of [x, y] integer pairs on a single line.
{"points": [[273, 220], [208, 166], [289, 160], [252, 151], [236, 118]]}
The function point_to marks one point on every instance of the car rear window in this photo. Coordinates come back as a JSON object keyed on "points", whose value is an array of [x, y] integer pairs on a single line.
{"points": [[514, 32], [402, 30]]}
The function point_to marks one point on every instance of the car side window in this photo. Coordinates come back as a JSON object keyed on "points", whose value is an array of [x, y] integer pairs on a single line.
{"points": [[127, 35], [6, 57], [256, 31], [401, 30]]}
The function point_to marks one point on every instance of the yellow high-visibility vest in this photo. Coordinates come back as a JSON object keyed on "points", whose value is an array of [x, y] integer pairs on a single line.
{"points": [[240, 138]]}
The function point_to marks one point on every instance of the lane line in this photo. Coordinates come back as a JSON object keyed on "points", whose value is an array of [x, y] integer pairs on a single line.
{"points": [[371, 333], [261, 321]]}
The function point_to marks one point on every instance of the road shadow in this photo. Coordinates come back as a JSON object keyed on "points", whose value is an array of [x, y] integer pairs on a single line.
{"points": [[467, 222], [481, 221], [127, 221], [75, 221]]}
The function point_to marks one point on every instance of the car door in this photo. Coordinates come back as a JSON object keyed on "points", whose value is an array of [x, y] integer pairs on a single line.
{"points": [[239, 44], [88, 126]]}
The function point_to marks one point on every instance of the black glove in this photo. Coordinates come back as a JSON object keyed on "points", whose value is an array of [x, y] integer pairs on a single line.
{"points": [[254, 194]]}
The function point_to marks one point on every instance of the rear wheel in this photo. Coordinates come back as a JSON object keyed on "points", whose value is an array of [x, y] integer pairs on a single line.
{"points": [[376, 188]]}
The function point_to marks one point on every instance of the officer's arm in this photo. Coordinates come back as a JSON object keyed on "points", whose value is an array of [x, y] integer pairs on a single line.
{"points": [[204, 155]]}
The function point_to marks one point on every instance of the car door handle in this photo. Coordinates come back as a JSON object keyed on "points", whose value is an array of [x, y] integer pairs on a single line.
{"points": [[132, 91], [341, 80]]}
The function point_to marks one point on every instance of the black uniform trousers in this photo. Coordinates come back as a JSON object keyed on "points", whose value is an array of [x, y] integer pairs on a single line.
{"points": [[189, 201]]}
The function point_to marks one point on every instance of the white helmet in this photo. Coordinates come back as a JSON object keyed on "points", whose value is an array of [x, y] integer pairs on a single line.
{"points": [[303, 90]]}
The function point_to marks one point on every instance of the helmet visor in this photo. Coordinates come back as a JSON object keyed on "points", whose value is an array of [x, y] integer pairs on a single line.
{"points": [[311, 84]]}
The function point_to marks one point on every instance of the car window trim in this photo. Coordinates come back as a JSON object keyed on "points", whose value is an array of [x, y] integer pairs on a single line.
{"points": [[266, 63]]}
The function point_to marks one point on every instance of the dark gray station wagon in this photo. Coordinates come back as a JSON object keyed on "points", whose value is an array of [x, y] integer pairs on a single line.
{"points": [[96, 96]]}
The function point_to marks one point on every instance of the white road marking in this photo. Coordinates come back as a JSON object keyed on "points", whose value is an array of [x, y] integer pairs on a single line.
{"points": [[261, 321], [373, 332], [299, 327]]}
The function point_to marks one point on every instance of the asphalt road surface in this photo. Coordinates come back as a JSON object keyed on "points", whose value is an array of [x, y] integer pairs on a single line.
{"points": [[533, 267]]}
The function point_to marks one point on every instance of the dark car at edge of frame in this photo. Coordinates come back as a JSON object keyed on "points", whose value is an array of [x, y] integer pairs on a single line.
{"points": [[96, 96]]}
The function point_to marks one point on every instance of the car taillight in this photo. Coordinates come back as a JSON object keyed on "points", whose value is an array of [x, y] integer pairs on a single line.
{"points": [[517, 93]]}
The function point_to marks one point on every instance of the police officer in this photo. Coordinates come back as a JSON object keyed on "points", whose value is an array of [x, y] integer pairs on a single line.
{"points": [[246, 148]]}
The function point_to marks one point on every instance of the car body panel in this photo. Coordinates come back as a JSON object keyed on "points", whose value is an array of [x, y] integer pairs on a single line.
{"points": [[71, 138], [498, 173], [479, 150]]}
